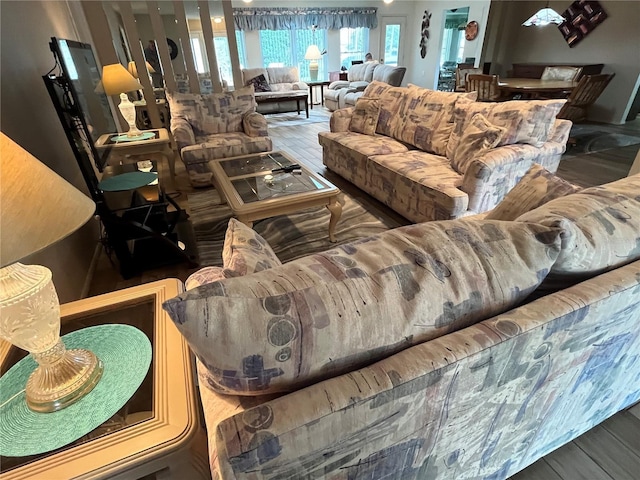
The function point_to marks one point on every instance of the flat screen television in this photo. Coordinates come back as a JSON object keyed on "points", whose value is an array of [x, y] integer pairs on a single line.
{"points": [[78, 92]]}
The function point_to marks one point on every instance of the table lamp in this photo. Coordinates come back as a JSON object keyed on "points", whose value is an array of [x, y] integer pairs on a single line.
{"points": [[116, 80], [313, 54], [39, 208]]}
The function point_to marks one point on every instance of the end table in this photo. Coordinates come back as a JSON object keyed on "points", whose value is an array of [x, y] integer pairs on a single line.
{"points": [[321, 84]]}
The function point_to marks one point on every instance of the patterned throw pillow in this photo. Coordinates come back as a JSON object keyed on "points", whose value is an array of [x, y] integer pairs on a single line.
{"points": [[365, 116], [537, 187], [245, 251], [323, 315], [600, 229], [260, 83], [478, 138]]}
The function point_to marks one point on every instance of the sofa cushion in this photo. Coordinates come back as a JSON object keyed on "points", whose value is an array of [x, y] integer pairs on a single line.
{"points": [[245, 251], [478, 138], [259, 83], [600, 228], [283, 75], [389, 74], [375, 89], [365, 116], [525, 121], [365, 145], [361, 72], [537, 187], [214, 112], [326, 314], [212, 147]]}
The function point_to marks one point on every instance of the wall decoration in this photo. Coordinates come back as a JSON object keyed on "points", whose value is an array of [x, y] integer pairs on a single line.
{"points": [[471, 30], [424, 34], [580, 19]]}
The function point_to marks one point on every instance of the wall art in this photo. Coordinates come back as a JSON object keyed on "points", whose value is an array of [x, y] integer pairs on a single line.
{"points": [[580, 19], [471, 30], [424, 33]]}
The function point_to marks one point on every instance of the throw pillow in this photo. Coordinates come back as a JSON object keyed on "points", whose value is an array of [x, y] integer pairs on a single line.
{"points": [[537, 187], [260, 83], [600, 229], [365, 116], [245, 251], [478, 138], [326, 314]]}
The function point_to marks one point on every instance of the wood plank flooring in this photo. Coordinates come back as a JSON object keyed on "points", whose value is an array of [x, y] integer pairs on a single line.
{"points": [[611, 451]]}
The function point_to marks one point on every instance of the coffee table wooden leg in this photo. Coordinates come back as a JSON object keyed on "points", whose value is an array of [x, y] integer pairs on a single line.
{"points": [[335, 207]]}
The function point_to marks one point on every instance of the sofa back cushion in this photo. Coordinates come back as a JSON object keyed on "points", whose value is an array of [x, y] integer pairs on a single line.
{"points": [[525, 121], [249, 73], [600, 229], [419, 116], [326, 314], [215, 112], [362, 72], [478, 138], [365, 116], [537, 187], [389, 74]]}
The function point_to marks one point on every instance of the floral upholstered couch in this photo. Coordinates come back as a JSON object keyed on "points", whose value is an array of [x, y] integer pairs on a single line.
{"points": [[274, 82], [214, 126], [453, 349], [433, 155]]}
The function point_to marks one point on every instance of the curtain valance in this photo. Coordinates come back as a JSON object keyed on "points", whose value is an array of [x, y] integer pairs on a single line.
{"points": [[285, 18]]}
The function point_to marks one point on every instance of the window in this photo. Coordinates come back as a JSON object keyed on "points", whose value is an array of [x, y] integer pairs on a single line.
{"points": [[354, 45], [287, 48], [222, 54]]}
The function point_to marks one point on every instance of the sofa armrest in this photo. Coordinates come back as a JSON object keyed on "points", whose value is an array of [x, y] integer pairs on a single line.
{"points": [[560, 131], [254, 124], [182, 132], [490, 177], [299, 86], [338, 84], [340, 119], [358, 86]]}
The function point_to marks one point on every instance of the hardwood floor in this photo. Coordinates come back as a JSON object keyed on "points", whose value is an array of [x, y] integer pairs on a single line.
{"points": [[610, 451]]}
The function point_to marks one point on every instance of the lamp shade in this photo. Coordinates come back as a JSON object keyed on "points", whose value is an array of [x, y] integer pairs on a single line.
{"points": [[313, 53], [133, 69], [37, 207], [116, 80], [542, 17]]}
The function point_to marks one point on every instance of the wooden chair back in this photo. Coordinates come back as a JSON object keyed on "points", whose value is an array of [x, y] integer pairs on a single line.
{"points": [[462, 71], [561, 72], [485, 85], [583, 96]]}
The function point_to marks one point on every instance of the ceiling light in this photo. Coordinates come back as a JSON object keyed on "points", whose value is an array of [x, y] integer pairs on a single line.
{"points": [[388, 1], [544, 16], [217, 19]]}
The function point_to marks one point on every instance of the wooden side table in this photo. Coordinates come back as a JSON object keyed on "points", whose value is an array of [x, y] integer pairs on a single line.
{"points": [[162, 143], [160, 430], [321, 84]]}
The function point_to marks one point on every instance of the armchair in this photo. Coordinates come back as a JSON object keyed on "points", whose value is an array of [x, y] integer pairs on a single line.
{"points": [[214, 126]]}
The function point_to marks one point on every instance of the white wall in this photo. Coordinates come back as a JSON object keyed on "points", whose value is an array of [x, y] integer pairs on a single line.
{"points": [[29, 118], [615, 42]]}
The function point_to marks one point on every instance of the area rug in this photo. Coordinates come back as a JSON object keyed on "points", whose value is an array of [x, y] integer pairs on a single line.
{"points": [[596, 138], [291, 236]]}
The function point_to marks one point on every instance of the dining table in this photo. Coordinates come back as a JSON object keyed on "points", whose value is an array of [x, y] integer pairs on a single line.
{"points": [[535, 87]]}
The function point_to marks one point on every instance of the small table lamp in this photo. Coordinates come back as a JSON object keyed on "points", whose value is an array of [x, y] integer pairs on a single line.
{"points": [[39, 208], [313, 54], [116, 80]]}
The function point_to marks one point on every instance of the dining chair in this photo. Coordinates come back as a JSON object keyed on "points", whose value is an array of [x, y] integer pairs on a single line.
{"points": [[583, 96], [485, 85], [463, 70], [565, 73]]}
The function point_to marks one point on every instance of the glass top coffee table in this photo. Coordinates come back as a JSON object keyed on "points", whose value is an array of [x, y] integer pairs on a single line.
{"points": [[264, 185]]}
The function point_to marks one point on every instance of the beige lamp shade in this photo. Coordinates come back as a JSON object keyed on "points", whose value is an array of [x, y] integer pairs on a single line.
{"points": [[116, 80], [37, 207], [133, 70], [313, 53]]}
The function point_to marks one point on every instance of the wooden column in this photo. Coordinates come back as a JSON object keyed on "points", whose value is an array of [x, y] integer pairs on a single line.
{"points": [[185, 40], [207, 33], [233, 44], [161, 45]]}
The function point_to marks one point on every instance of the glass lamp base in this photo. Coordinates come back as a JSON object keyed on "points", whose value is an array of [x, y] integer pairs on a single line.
{"points": [[56, 385]]}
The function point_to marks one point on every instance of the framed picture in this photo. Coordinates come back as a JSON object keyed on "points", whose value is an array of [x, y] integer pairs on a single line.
{"points": [[580, 19]]}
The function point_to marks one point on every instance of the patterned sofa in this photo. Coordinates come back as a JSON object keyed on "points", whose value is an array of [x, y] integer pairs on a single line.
{"points": [[458, 349], [278, 81], [341, 93], [217, 125], [433, 155]]}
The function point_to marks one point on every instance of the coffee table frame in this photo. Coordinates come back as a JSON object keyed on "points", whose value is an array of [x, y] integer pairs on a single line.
{"points": [[247, 213]]}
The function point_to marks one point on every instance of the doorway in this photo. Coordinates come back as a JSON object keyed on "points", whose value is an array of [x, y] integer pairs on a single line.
{"points": [[452, 50], [390, 50]]}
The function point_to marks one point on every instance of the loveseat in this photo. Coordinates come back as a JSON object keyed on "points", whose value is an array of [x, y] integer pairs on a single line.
{"points": [[214, 126], [274, 82], [343, 93], [433, 155], [456, 349]]}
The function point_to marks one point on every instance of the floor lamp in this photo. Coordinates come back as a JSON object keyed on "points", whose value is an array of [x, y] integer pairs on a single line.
{"points": [[39, 208]]}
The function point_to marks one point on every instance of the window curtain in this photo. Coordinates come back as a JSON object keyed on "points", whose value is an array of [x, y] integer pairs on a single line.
{"points": [[285, 18]]}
